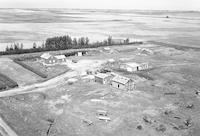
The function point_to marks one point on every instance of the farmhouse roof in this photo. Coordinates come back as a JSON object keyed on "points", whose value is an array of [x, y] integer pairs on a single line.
{"points": [[106, 48], [60, 57], [133, 64], [101, 75], [121, 79], [45, 55]]}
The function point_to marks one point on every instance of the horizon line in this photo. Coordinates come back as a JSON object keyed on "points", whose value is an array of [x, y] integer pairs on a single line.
{"points": [[100, 9]]}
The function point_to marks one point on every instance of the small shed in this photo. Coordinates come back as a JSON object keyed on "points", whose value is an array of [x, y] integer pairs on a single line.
{"points": [[102, 78], [111, 60], [61, 58], [80, 54], [104, 118], [122, 83], [107, 48]]}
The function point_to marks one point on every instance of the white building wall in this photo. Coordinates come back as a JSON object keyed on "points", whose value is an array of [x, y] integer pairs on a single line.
{"points": [[80, 54], [129, 69], [144, 66], [117, 85]]}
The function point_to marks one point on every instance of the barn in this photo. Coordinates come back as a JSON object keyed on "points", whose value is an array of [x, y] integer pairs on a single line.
{"points": [[122, 83], [131, 67]]}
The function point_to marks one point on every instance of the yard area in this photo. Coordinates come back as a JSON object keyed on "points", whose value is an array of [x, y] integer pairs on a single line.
{"points": [[163, 102], [50, 71], [71, 105]]}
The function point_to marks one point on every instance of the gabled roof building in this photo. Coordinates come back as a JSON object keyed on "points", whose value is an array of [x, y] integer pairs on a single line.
{"points": [[123, 83], [48, 59]]}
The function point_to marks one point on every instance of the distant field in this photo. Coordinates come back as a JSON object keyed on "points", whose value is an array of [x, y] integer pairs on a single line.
{"points": [[35, 25]]}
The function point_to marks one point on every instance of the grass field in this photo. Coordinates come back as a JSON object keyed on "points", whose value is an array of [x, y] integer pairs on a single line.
{"points": [[35, 25], [14, 72], [6, 82]]}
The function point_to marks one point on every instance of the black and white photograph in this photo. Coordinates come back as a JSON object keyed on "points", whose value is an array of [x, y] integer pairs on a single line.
{"points": [[99, 68]]}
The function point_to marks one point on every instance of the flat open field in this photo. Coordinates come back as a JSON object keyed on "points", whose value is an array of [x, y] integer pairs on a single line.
{"points": [[35, 25], [164, 102], [17, 73]]}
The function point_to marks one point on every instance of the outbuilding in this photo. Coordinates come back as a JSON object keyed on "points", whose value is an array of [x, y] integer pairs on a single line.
{"points": [[61, 58], [103, 78], [80, 54], [131, 67], [122, 83]]}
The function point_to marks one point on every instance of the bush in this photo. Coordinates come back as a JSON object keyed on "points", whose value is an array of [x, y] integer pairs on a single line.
{"points": [[31, 69], [2, 86], [139, 127], [161, 128]]}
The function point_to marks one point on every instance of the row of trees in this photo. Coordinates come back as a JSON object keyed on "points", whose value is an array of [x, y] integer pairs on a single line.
{"points": [[66, 42], [59, 43]]}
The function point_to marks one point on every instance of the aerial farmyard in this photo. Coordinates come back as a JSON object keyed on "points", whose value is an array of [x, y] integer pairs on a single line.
{"points": [[132, 73]]}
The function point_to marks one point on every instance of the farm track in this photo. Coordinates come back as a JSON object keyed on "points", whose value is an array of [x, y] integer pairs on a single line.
{"points": [[7, 131], [38, 87]]}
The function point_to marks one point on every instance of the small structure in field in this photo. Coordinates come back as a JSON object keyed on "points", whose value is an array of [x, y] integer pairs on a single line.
{"points": [[79, 54], [145, 51], [123, 83], [61, 58], [106, 49], [102, 113], [104, 118], [131, 67], [48, 59], [111, 60], [102, 78], [72, 81]]}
